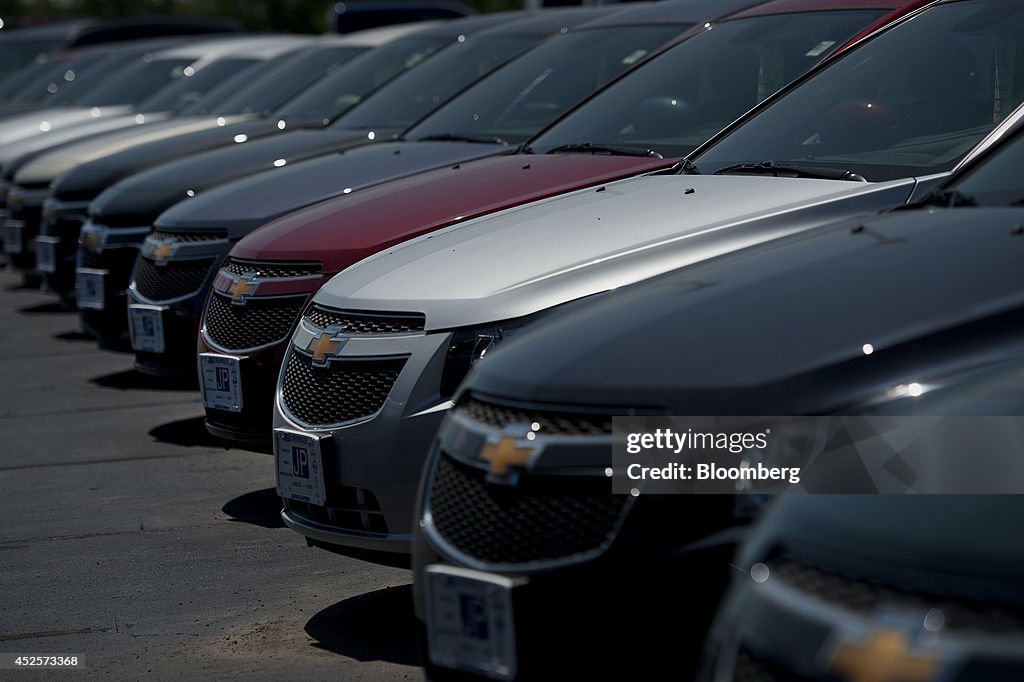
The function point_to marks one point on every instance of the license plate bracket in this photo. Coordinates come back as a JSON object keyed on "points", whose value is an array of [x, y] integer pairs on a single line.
{"points": [[299, 458], [46, 254], [470, 621], [146, 325], [11, 233], [90, 288], [220, 380]]}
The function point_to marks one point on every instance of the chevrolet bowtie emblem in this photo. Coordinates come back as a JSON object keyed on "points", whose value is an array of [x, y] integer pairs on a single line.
{"points": [[164, 251], [242, 288], [324, 346], [884, 657], [505, 453]]}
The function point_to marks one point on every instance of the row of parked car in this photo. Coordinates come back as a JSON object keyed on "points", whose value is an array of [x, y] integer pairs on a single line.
{"points": [[425, 265]]}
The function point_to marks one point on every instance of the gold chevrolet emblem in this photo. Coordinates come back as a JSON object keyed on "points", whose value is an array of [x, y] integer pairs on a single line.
{"points": [[163, 252], [884, 657], [323, 346], [505, 453], [241, 288]]}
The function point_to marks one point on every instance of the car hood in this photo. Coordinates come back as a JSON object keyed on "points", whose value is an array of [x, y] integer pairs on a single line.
{"points": [[344, 230], [901, 539], [88, 179], [243, 205], [140, 198], [52, 164], [537, 256], [778, 329], [15, 154], [31, 123]]}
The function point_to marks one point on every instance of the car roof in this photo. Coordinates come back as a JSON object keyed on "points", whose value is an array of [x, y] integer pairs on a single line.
{"points": [[453, 28]]}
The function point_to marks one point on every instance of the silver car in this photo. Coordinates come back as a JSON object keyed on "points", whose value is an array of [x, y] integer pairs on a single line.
{"points": [[378, 355]]}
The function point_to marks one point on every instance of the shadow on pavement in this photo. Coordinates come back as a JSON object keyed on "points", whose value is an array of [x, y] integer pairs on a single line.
{"points": [[75, 336], [186, 433], [131, 379], [45, 308], [260, 508], [376, 626]]}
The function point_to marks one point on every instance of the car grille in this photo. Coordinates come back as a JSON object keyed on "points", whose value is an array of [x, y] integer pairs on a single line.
{"points": [[868, 597], [366, 324], [271, 270], [173, 280], [350, 509], [257, 323], [543, 518], [343, 391], [183, 237], [88, 259], [560, 423]]}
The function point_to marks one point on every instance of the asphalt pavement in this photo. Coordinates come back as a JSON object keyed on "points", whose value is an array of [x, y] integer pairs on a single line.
{"points": [[131, 538]]}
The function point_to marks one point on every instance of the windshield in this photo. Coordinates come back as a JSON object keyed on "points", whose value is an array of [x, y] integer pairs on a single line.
{"points": [[414, 95], [911, 102], [15, 53], [679, 100], [996, 181], [351, 83], [284, 81], [534, 90], [137, 82], [191, 85]]}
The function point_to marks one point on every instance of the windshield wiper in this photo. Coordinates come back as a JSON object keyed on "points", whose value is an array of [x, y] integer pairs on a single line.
{"points": [[781, 170], [449, 137], [610, 149]]}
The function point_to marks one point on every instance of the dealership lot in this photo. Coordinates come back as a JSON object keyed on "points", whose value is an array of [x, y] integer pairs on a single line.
{"points": [[132, 539]]}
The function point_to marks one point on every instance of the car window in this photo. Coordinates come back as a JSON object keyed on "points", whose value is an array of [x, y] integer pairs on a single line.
{"points": [[278, 84], [530, 92], [415, 94], [137, 82], [912, 101], [354, 80], [689, 93], [193, 84]]}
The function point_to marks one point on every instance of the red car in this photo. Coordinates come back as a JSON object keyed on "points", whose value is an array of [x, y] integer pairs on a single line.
{"points": [[270, 275]]}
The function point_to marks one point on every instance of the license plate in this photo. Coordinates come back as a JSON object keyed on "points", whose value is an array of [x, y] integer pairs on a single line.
{"points": [[89, 288], [46, 254], [10, 232], [300, 467], [146, 325], [221, 381], [470, 623]]}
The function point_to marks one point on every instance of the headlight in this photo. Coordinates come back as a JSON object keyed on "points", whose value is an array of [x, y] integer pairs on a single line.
{"points": [[469, 346]]}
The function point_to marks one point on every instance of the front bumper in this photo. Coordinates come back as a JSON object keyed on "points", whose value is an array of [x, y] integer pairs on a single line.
{"points": [[57, 244], [20, 226], [778, 629], [375, 462], [107, 255], [178, 299]]}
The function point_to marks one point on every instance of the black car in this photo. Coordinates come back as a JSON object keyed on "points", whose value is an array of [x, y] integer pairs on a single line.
{"points": [[516, 513], [398, 82]]}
